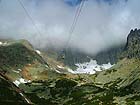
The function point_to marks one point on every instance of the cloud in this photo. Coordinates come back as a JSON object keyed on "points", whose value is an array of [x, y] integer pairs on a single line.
{"points": [[100, 25], [72, 2]]}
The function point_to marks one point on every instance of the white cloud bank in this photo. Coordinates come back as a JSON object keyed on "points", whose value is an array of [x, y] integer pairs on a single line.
{"points": [[100, 25]]}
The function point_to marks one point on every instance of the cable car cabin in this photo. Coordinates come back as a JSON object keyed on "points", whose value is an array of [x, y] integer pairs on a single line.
{"points": [[61, 56]]}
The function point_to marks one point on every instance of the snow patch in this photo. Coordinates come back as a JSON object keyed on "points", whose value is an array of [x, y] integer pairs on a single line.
{"points": [[60, 67], [29, 64], [16, 71], [16, 82], [38, 52], [4, 43], [21, 81], [71, 71], [107, 66], [1, 43], [90, 67], [19, 70], [57, 71], [24, 97], [46, 66]]}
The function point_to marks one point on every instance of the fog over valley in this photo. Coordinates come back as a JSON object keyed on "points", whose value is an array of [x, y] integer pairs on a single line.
{"points": [[101, 24]]}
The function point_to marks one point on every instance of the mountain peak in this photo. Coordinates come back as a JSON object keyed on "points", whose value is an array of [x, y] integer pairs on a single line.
{"points": [[133, 44]]}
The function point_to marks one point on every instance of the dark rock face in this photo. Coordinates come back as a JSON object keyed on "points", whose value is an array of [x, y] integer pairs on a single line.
{"points": [[9, 93], [70, 57], [132, 48], [111, 55]]}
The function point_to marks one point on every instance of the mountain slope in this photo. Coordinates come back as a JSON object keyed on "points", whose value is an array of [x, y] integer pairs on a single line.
{"points": [[133, 44], [18, 59], [10, 94], [22, 63], [51, 83]]}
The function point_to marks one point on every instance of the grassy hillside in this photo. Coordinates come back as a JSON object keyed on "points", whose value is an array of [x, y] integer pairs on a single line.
{"points": [[117, 86]]}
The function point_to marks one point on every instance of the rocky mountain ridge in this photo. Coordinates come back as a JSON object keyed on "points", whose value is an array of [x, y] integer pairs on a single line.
{"points": [[133, 44]]}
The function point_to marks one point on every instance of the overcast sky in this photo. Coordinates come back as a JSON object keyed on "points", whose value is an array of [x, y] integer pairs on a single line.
{"points": [[102, 23]]}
